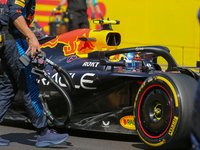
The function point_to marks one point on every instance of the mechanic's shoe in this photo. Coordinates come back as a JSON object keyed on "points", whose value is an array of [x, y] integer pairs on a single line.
{"points": [[4, 142], [50, 138]]}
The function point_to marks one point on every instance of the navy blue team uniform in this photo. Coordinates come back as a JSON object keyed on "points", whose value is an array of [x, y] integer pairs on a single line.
{"points": [[195, 130], [16, 77], [14, 73], [195, 123]]}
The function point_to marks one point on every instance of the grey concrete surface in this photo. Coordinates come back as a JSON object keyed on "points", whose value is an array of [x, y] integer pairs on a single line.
{"points": [[23, 137]]}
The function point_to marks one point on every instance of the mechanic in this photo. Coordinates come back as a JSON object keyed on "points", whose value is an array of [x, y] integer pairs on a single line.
{"points": [[77, 13], [195, 132], [15, 18], [195, 123]]}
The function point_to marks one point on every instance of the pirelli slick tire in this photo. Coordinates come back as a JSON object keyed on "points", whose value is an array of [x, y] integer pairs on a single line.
{"points": [[163, 109]]}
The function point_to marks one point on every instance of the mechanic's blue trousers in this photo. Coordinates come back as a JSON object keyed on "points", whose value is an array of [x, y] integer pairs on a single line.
{"points": [[18, 78], [195, 122]]}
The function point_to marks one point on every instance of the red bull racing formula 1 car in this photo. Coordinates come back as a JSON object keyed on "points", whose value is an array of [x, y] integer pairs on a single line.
{"points": [[117, 90]]}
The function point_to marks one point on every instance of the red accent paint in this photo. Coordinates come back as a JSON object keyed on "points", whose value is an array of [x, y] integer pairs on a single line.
{"points": [[125, 122], [40, 61], [3, 1], [139, 112], [139, 82], [98, 27], [71, 42], [87, 45], [43, 13], [49, 2]]}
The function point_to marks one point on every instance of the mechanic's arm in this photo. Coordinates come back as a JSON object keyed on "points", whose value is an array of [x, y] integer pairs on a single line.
{"points": [[62, 2], [22, 26]]}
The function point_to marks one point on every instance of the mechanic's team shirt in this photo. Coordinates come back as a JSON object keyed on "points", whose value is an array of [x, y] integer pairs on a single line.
{"points": [[4, 16], [15, 8], [77, 7]]}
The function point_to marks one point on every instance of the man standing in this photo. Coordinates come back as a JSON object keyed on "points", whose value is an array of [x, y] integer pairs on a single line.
{"points": [[15, 17], [77, 14], [195, 121]]}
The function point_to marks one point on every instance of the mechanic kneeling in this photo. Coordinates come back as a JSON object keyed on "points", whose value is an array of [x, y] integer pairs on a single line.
{"points": [[15, 17]]}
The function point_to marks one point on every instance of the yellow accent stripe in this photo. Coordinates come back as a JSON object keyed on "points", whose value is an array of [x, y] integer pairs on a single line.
{"points": [[109, 21], [172, 88], [41, 18], [173, 125], [46, 28], [19, 3], [0, 39], [23, 1], [50, 8], [152, 144]]}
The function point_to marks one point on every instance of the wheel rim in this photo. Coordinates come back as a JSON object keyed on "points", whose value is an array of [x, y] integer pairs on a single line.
{"points": [[155, 111]]}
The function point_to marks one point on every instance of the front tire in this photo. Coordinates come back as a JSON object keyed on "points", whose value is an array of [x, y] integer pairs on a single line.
{"points": [[163, 110]]}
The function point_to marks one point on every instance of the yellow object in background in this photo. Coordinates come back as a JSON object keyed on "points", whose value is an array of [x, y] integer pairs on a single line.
{"points": [[170, 23]]}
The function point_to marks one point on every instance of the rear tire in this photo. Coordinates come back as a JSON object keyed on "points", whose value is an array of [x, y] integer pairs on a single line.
{"points": [[163, 110]]}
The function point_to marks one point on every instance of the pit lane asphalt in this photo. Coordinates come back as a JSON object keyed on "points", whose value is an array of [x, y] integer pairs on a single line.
{"points": [[23, 137]]}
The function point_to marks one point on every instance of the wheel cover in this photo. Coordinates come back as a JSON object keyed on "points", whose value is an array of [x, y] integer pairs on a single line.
{"points": [[155, 111]]}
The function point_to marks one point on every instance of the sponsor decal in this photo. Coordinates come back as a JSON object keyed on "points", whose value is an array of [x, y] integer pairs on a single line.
{"points": [[83, 80], [105, 124], [139, 48], [90, 64], [57, 79], [70, 42], [173, 126], [20, 3], [71, 58], [128, 122]]}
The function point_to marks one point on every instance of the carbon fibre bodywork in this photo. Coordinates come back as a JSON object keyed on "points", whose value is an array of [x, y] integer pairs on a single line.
{"points": [[106, 93]]}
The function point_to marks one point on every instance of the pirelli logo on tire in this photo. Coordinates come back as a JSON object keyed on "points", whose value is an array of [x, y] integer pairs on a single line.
{"points": [[173, 126]]}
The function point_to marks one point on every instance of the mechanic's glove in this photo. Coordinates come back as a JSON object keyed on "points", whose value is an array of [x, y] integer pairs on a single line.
{"points": [[101, 16], [58, 8], [93, 15]]}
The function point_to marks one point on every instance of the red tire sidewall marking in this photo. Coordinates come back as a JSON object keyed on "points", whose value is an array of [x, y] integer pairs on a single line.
{"points": [[154, 137]]}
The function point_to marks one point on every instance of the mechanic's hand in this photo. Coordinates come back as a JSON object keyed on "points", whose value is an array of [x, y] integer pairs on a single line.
{"points": [[93, 15], [34, 46], [58, 8]]}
